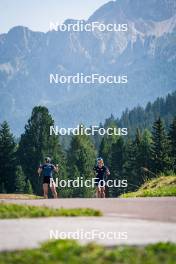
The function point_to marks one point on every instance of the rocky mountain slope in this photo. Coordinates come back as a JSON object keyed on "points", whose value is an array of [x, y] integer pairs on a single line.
{"points": [[146, 53]]}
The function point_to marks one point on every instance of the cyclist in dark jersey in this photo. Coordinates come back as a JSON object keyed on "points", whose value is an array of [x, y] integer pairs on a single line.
{"points": [[47, 170], [101, 173]]}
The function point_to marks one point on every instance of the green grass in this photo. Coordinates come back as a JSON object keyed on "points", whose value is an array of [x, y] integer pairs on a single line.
{"points": [[19, 211], [20, 196], [68, 251], [161, 186]]}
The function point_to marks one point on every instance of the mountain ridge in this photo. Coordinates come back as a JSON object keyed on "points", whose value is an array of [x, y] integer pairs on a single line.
{"points": [[146, 54]]}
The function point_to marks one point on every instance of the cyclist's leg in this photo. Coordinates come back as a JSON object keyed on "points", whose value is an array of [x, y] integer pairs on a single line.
{"points": [[53, 189], [98, 192], [99, 189], [102, 192], [45, 190]]}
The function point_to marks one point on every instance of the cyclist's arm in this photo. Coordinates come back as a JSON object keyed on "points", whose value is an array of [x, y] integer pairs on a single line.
{"points": [[39, 170], [56, 168], [107, 172]]}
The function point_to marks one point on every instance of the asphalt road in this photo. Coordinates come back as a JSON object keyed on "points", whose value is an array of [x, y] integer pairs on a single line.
{"points": [[158, 209], [138, 221]]}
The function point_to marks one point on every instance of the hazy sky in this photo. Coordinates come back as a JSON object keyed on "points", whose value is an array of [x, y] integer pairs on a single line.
{"points": [[37, 14]]}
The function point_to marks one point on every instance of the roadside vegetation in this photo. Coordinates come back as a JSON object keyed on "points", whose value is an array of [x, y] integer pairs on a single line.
{"points": [[19, 196], [161, 186], [26, 211], [68, 251]]}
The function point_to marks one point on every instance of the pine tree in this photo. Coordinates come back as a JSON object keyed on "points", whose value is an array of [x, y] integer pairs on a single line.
{"points": [[116, 165], [138, 137], [160, 147], [7, 159], [28, 187], [77, 192], [36, 143], [19, 180], [62, 175], [142, 145], [172, 137], [2, 188], [107, 142], [137, 155], [81, 160], [146, 148], [129, 167]]}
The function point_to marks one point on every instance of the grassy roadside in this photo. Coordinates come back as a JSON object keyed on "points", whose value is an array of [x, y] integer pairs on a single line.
{"points": [[68, 251], [161, 186], [8, 211], [19, 196]]}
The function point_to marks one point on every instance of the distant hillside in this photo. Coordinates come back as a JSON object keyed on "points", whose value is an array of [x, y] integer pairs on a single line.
{"points": [[140, 117]]}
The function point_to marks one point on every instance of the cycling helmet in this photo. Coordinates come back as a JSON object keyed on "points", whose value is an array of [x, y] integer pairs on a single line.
{"points": [[48, 159], [100, 159]]}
